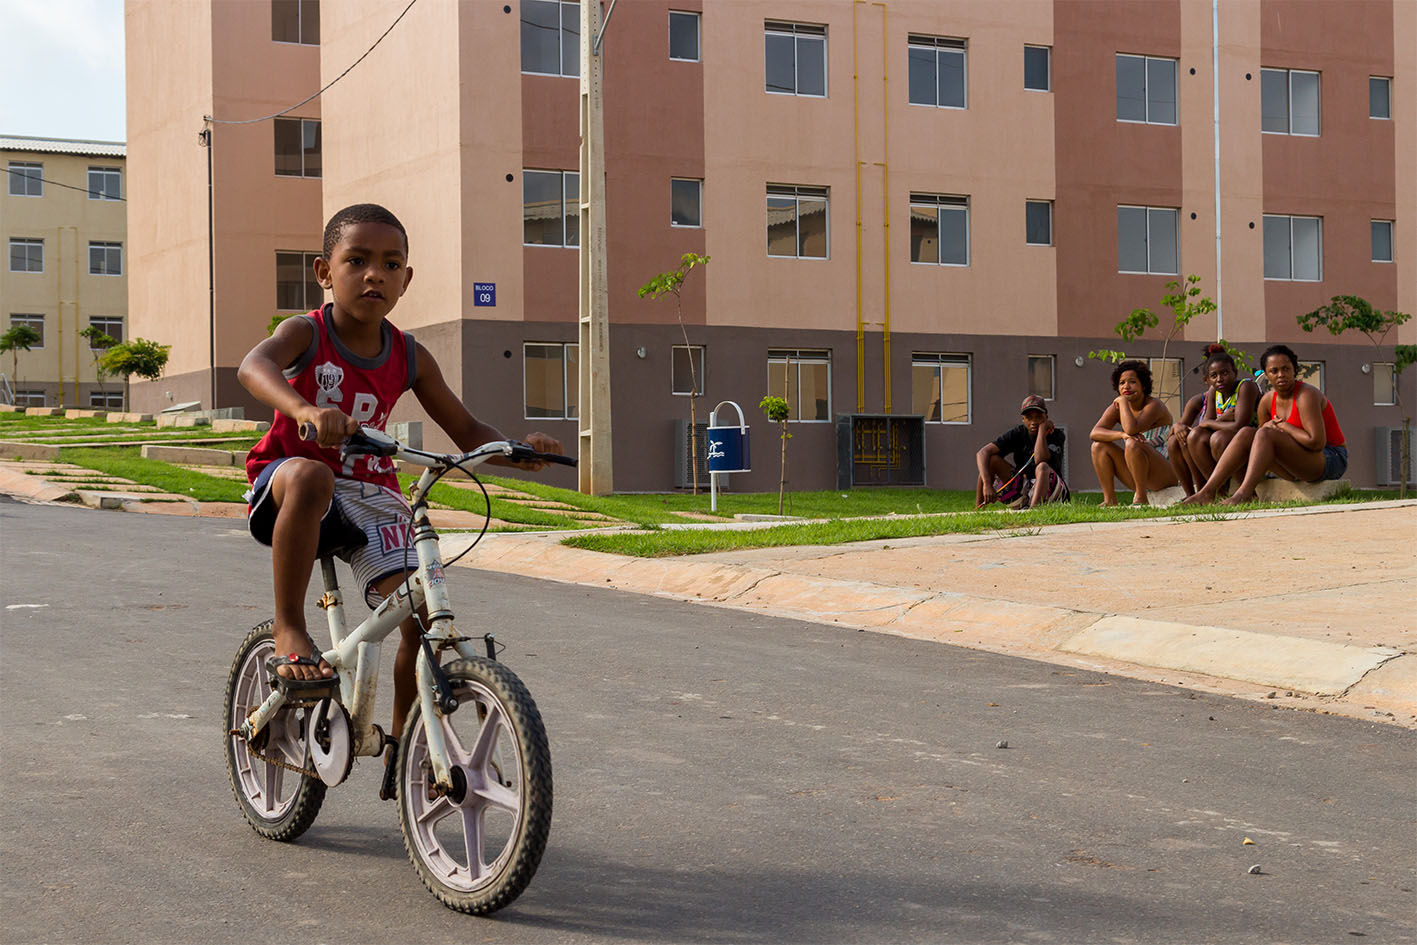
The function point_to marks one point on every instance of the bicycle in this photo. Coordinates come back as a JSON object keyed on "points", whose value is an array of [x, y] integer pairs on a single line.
{"points": [[474, 788]]}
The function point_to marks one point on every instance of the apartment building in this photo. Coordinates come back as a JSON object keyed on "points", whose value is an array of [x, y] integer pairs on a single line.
{"points": [[917, 211], [63, 223]]}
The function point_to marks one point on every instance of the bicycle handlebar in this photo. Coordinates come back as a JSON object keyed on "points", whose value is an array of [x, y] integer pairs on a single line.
{"points": [[371, 442]]}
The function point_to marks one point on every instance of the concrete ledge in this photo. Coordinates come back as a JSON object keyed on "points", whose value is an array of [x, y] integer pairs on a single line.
{"points": [[11, 408], [223, 425], [1282, 490], [182, 420], [1161, 498], [44, 411], [130, 418], [191, 455], [16, 482], [12, 450], [1284, 662], [75, 413]]}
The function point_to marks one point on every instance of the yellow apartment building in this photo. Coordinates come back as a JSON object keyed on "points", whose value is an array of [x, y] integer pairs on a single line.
{"points": [[64, 224]]}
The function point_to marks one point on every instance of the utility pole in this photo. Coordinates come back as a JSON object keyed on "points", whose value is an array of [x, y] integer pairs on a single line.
{"points": [[596, 471]]}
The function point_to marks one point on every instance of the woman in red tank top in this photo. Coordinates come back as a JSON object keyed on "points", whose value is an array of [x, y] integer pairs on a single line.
{"points": [[1299, 438]]}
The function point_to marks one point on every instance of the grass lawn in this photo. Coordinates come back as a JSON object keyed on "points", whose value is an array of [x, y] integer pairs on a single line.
{"points": [[127, 462]]}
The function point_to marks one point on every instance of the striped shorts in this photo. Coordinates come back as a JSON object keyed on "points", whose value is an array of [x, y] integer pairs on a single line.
{"points": [[381, 513]]}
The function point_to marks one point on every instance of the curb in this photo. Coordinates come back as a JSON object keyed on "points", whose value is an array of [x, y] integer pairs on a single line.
{"points": [[33, 487]]}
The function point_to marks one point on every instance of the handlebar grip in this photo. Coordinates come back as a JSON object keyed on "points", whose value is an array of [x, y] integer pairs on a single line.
{"points": [[307, 431], [559, 460]]}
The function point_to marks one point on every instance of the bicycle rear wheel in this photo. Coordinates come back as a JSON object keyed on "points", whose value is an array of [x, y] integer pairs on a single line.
{"points": [[277, 803], [478, 847]]}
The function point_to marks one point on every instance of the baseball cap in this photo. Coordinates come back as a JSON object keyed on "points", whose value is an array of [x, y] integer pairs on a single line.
{"points": [[1033, 402]]}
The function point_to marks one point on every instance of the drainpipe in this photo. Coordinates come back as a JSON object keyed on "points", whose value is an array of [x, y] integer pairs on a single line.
{"points": [[205, 136], [1215, 120], [856, 138]]}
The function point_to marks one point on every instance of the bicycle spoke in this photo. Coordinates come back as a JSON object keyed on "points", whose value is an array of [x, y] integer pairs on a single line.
{"points": [[472, 838], [500, 797], [435, 812], [271, 785], [482, 747]]}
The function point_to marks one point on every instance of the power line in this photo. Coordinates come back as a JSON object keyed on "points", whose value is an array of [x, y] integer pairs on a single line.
{"points": [[252, 121], [24, 172]]}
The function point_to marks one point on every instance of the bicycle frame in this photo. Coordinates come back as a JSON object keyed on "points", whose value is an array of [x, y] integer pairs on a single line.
{"points": [[355, 654]]}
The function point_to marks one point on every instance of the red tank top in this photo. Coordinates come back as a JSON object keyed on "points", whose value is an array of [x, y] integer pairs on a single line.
{"points": [[328, 374], [1333, 435]]}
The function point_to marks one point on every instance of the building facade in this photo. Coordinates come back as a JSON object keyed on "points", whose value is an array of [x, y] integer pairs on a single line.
{"points": [[63, 223], [913, 209]]}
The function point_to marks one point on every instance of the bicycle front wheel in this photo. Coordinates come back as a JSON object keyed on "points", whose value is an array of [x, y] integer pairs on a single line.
{"points": [[477, 847], [277, 802]]}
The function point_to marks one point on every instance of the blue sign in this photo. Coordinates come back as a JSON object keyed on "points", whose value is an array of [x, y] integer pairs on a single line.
{"points": [[484, 293], [728, 449]]}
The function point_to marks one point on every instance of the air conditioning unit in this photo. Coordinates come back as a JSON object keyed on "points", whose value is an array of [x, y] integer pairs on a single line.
{"points": [[683, 471], [1389, 440]]}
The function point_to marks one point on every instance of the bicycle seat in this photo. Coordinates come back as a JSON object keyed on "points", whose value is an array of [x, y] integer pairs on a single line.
{"points": [[339, 536]]}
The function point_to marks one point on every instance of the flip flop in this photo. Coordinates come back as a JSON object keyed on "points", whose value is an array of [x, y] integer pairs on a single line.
{"points": [[302, 686]]}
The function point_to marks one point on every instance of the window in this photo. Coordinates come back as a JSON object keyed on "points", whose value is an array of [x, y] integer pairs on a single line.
{"points": [[105, 183], [937, 71], [297, 147], [1147, 240], [797, 221], [296, 287], [688, 368], [686, 202], [1040, 375], [1166, 383], [29, 398], [105, 259], [1384, 384], [1289, 102], [552, 381], [112, 326], [683, 36], [26, 255], [1038, 68], [796, 58], [295, 21], [1146, 89], [26, 179], [551, 37], [1379, 97], [1293, 248], [1382, 240], [551, 208], [1038, 222], [105, 400], [939, 387], [804, 379], [1312, 372], [33, 321], [939, 229]]}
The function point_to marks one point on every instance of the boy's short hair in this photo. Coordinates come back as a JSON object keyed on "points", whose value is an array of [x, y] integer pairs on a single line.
{"points": [[1142, 371], [1279, 349], [359, 213]]}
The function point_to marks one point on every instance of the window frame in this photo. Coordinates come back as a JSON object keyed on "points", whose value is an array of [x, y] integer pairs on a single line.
{"points": [[1052, 362], [105, 173], [797, 357], [108, 248], [941, 202], [1048, 57], [304, 174], [107, 319], [1146, 90], [30, 397], [941, 45], [108, 396], [1150, 267], [20, 171], [1386, 81], [307, 262], [561, 33], [33, 319], [1308, 369], [1178, 405], [567, 381], [300, 28], [1264, 253], [1373, 226], [800, 32], [939, 359], [566, 215], [689, 356], [797, 193], [29, 243], [1289, 75], [1029, 202], [700, 197], [697, 20]]}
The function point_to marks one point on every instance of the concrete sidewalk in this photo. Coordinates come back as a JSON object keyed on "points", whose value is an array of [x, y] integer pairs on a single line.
{"points": [[1311, 608]]}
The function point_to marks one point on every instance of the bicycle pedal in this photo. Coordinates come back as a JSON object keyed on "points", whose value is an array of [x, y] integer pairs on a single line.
{"points": [[388, 787]]}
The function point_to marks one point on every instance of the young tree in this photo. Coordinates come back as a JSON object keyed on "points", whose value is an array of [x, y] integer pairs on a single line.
{"points": [[1186, 303], [673, 282], [1355, 313], [18, 338], [144, 358], [777, 411], [98, 344]]}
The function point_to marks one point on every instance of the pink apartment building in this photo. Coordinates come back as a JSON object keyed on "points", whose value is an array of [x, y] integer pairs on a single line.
{"points": [[915, 209]]}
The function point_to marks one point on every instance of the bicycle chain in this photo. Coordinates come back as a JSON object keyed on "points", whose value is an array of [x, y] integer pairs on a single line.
{"points": [[307, 772]]}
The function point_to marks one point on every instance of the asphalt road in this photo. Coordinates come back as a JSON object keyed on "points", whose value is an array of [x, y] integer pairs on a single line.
{"points": [[719, 778]]}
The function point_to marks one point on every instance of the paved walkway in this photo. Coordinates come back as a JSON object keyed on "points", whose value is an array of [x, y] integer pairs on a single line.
{"points": [[1311, 608]]}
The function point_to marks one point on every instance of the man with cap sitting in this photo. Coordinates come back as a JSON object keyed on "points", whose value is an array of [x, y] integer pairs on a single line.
{"points": [[1032, 475]]}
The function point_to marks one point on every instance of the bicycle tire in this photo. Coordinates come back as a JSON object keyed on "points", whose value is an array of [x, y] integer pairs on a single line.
{"points": [[274, 809], [504, 768]]}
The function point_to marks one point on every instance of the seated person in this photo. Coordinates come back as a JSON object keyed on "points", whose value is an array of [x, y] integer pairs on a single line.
{"points": [[1298, 438], [1136, 453], [1228, 406], [1176, 452], [1032, 475]]}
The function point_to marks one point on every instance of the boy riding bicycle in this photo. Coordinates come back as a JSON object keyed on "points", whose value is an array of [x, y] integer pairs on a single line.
{"points": [[332, 370]]}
